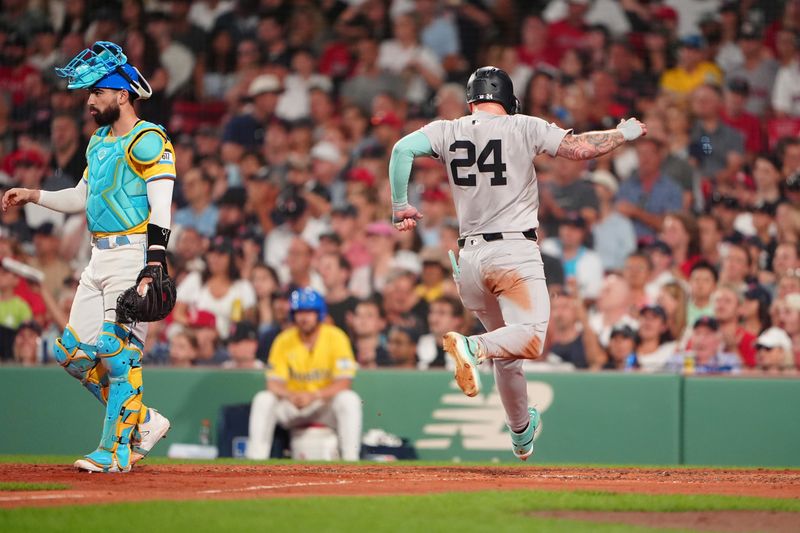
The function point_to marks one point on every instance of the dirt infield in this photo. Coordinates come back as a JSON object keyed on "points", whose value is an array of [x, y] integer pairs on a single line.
{"points": [[185, 482]]}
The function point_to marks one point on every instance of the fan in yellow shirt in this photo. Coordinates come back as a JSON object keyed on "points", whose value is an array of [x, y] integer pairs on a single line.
{"points": [[692, 70], [309, 378]]}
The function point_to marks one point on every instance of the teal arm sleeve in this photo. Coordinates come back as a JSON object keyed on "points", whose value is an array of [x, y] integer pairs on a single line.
{"points": [[405, 150]]}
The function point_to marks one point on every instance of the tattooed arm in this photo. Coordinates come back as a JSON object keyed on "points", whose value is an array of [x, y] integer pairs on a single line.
{"points": [[596, 143]]}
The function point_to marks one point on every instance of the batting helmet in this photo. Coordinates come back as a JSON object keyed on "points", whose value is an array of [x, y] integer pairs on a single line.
{"points": [[308, 300], [492, 84]]}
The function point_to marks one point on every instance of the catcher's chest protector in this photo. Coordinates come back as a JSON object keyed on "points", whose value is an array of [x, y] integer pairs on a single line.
{"points": [[116, 201]]}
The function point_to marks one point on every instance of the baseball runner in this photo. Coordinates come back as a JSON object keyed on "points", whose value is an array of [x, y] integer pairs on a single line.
{"points": [[310, 371], [126, 193], [500, 277]]}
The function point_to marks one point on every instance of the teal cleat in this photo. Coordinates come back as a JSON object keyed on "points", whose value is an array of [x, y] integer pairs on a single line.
{"points": [[104, 461], [522, 443], [465, 353]]}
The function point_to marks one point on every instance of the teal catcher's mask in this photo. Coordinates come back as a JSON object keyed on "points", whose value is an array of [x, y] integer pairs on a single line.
{"points": [[104, 66]]}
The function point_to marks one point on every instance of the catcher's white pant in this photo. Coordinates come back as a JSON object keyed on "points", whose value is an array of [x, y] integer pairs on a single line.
{"points": [[342, 412], [110, 272], [503, 283]]}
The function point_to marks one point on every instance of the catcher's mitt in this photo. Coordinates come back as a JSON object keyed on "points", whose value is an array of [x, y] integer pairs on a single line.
{"points": [[155, 305]]}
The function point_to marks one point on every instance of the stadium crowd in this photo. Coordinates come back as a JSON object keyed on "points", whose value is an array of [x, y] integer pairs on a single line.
{"points": [[680, 253]]}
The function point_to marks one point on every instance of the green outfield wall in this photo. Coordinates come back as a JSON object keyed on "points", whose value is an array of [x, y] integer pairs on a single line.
{"points": [[588, 417]]}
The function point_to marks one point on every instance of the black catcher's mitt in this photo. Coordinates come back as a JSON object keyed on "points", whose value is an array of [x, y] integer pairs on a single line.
{"points": [[155, 305]]}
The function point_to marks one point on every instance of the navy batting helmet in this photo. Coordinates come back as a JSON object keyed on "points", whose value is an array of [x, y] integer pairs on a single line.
{"points": [[308, 299], [492, 84]]}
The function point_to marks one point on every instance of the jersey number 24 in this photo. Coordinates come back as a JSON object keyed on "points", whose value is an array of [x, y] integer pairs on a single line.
{"points": [[493, 148]]}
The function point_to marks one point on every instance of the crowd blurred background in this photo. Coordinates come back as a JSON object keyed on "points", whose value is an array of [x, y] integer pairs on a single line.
{"points": [[676, 253]]}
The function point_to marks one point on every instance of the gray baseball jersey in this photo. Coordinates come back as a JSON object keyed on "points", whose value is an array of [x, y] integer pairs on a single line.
{"points": [[489, 159]]}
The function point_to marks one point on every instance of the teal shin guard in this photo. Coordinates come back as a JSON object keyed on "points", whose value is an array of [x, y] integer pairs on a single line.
{"points": [[80, 361]]}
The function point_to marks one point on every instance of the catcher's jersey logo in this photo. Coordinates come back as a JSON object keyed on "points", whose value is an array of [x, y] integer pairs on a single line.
{"points": [[101, 154]]}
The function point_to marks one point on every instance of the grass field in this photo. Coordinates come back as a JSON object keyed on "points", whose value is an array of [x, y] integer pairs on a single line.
{"points": [[495, 511]]}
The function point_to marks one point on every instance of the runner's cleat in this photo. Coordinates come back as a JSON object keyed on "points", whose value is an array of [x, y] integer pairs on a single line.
{"points": [[464, 352], [522, 443]]}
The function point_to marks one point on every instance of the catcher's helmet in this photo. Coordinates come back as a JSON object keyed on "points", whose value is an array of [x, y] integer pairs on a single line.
{"points": [[308, 300], [492, 84]]}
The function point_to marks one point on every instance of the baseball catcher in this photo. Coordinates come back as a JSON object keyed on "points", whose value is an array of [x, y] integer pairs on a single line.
{"points": [[126, 193]]}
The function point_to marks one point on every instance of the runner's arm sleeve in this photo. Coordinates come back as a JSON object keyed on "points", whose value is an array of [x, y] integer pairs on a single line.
{"points": [[66, 200], [405, 150]]}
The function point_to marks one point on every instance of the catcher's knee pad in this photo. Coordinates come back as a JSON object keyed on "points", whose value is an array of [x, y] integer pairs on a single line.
{"points": [[80, 361]]}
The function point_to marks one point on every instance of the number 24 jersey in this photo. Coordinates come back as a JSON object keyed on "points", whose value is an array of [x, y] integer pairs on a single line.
{"points": [[489, 160]]}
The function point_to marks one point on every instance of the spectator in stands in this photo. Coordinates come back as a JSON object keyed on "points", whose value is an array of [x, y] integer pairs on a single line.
{"points": [[736, 116], [613, 234], [218, 289], [313, 387], [662, 272], [265, 283], [298, 271], [692, 69], [774, 352], [673, 299], [434, 280], [182, 350], [445, 313], [786, 91], [582, 266], [702, 284], [28, 349], [247, 131], [406, 57], [681, 234], [705, 354], [215, 70], [736, 339], [648, 195], [402, 346], [655, 344], [67, 160], [186, 32], [401, 304], [334, 271], [736, 269], [757, 69], [637, 272], [717, 148], [622, 349], [13, 310], [47, 259], [369, 79], [613, 307], [372, 278], [565, 334], [200, 213], [369, 343], [295, 102], [710, 235], [243, 347], [786, 315], [754, 309]]}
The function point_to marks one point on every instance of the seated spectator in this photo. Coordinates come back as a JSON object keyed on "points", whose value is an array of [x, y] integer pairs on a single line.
{"points": [[613, 307], [622, 349], [402, 346], [705, 353], [401, 305], [182, 350], [445, 313], [655, 344], [613, 234], [727, 302], [334, 270], [435, 280], [219, 289], [637, 271], [210, 350], [372, 277], [242, 347], [787, 317], [567, 191], [28, 349], [309, 380], [564, 332], [369, 343], [647, 195], [702, 284], [692, 69], [774, 352], [736, 268], [297, 272], [13, 309], [200, 213], [582, 265], [754, 310], [673, 299], [736, 116], [46, 241]]}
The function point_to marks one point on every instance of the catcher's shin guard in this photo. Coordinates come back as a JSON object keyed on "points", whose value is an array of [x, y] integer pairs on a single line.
{"points": [[80, 361], [121, 354]]}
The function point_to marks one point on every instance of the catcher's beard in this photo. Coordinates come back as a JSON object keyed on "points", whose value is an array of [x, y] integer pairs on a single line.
{"points": [[108, 116]]}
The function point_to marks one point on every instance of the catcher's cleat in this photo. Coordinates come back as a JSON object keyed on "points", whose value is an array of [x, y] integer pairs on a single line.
{"points": [[147, 434], [464, 352], [522, 443], [101, 461]]}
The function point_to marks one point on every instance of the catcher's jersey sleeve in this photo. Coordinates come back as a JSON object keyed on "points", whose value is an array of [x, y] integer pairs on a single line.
{"points": [[489, 162], [308, 371]]}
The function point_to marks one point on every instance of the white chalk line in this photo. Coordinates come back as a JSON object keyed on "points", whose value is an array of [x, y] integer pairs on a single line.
{"points": [[282, 486], [39, 497]]}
